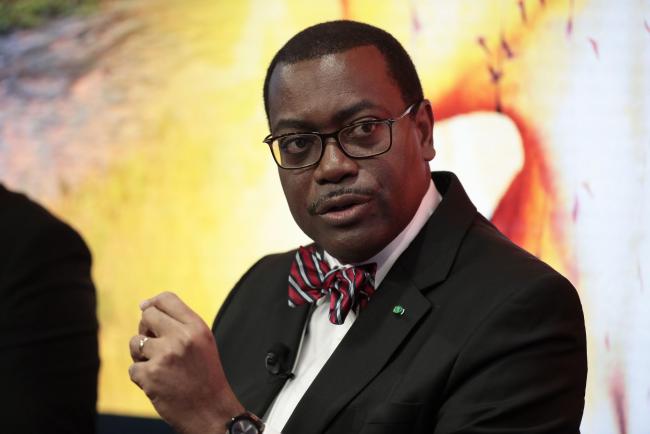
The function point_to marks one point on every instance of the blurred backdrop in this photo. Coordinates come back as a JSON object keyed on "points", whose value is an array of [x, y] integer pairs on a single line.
{"points": [[140, 122]]}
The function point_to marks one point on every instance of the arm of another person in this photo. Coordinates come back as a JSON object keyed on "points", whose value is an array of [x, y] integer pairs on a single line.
{"points": [[48, 329], [524, 369]]}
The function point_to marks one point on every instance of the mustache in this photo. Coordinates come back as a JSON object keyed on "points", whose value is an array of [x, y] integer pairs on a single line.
{"points": [[334, 193]]}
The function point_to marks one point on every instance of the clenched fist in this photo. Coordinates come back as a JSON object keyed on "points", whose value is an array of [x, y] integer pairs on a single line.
{"points": [[177, 364]]}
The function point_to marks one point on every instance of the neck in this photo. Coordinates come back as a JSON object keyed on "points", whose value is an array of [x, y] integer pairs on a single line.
{"points": [[387, 256]]}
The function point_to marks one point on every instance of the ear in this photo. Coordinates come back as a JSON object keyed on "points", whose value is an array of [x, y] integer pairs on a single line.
{"points": [[424, 125]]}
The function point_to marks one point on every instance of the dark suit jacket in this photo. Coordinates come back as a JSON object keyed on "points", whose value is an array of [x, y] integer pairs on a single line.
{"points": [[48, 328], [492, 340]]}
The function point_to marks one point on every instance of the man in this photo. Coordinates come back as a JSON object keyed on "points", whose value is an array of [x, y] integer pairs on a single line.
{"points": [[48, 329], [441, 326]]}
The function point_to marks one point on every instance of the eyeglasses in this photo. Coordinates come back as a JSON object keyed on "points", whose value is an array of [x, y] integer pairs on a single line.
{"points": [[359, 140]]}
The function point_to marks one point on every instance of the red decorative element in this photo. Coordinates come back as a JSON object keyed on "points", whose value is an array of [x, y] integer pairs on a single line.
{"points": [[530, 212], [506, 48], [576, 209], [522, 10], [569, 24], [529, 204], [594, 46], [481, 41], [415, 21], [646, 25], [569, 27], [617, 393], [495, 74]]}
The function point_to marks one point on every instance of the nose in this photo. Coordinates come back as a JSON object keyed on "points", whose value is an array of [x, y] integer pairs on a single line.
{"points": [[334, 166]]}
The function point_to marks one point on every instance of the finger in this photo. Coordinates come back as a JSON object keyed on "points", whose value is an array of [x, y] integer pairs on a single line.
{"points": [[144, 329], [135, 374], [155, 321], [142, 348], [134, 349], [173, 306]]}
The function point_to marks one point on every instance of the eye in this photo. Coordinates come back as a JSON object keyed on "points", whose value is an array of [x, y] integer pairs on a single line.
{"points": [[363, 129], [295, 144]]}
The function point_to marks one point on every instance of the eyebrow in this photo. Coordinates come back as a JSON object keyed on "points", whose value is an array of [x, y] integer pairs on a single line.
{"points": [[339, 117]]}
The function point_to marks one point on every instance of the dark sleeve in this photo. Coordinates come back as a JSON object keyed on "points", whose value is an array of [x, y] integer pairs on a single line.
{"points": [[48, 329], [524, 369]]}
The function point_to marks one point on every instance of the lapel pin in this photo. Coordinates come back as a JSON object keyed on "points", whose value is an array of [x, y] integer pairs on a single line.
{"points": [[399, 310]]}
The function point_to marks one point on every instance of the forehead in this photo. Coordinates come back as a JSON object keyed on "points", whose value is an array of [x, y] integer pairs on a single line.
{"points": [[316, 90]]}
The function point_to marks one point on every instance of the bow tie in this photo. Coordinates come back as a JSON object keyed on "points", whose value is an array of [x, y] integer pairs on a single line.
{"points": [[311, 278]]}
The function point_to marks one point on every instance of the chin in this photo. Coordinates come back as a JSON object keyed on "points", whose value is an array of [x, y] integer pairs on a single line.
{"points": [[354, 247]]}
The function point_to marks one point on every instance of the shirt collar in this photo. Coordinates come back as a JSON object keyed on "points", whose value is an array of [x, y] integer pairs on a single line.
{"points": [[387, 257]]}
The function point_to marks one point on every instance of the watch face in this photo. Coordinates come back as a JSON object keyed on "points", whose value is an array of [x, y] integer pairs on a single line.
{"points": [[244, 426]]}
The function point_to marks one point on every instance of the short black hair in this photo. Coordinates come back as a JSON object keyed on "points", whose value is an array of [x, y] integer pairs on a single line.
{"points": [[338, 36]]}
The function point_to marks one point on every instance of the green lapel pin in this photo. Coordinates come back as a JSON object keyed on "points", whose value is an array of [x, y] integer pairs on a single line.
{"points": [[399, 310]]}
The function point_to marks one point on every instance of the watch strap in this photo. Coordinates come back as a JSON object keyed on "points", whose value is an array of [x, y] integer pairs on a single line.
{"points": [[246, 417]]}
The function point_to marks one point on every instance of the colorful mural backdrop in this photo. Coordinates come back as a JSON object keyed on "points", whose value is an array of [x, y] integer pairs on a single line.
{"points": [[140, 122]]}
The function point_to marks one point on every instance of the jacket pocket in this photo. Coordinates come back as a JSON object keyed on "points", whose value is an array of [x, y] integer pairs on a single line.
{"points": [[392, 417]]}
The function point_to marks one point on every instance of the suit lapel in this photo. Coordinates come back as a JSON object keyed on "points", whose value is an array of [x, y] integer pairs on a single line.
{"points": [[429, 258], [378, 332]]}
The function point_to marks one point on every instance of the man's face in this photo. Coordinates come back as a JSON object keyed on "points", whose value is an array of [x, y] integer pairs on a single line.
{"points": [[351, 207]]}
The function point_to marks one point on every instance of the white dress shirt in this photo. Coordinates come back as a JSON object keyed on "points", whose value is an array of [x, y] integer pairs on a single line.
{"points": [[320, 337]]}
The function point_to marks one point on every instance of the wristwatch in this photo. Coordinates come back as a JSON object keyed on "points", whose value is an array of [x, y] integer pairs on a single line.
{"points": [[245, 423]]}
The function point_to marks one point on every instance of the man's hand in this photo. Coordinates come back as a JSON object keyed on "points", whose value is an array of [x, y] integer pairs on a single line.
{"points": [[179, 368]]}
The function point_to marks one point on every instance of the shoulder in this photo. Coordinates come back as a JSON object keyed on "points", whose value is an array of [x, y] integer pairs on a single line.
{"points": [[23, 221], [45, 279], [264, 282], [490, 255], [492, 277], [35, 242], [268, 269], [14, 205], [21, 218]]}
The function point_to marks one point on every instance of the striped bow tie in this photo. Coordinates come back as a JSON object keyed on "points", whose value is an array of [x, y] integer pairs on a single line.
{"points": [[311, 278]]}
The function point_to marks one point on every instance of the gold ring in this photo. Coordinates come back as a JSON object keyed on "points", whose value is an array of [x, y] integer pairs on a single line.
{"points": [[141, 345]]}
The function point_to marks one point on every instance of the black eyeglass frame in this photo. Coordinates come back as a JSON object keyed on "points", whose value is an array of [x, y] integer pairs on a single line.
{"points": [[335, 135]]}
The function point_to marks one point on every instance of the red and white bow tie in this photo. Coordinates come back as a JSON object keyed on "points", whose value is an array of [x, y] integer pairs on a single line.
{"points": [[311, 278]]}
